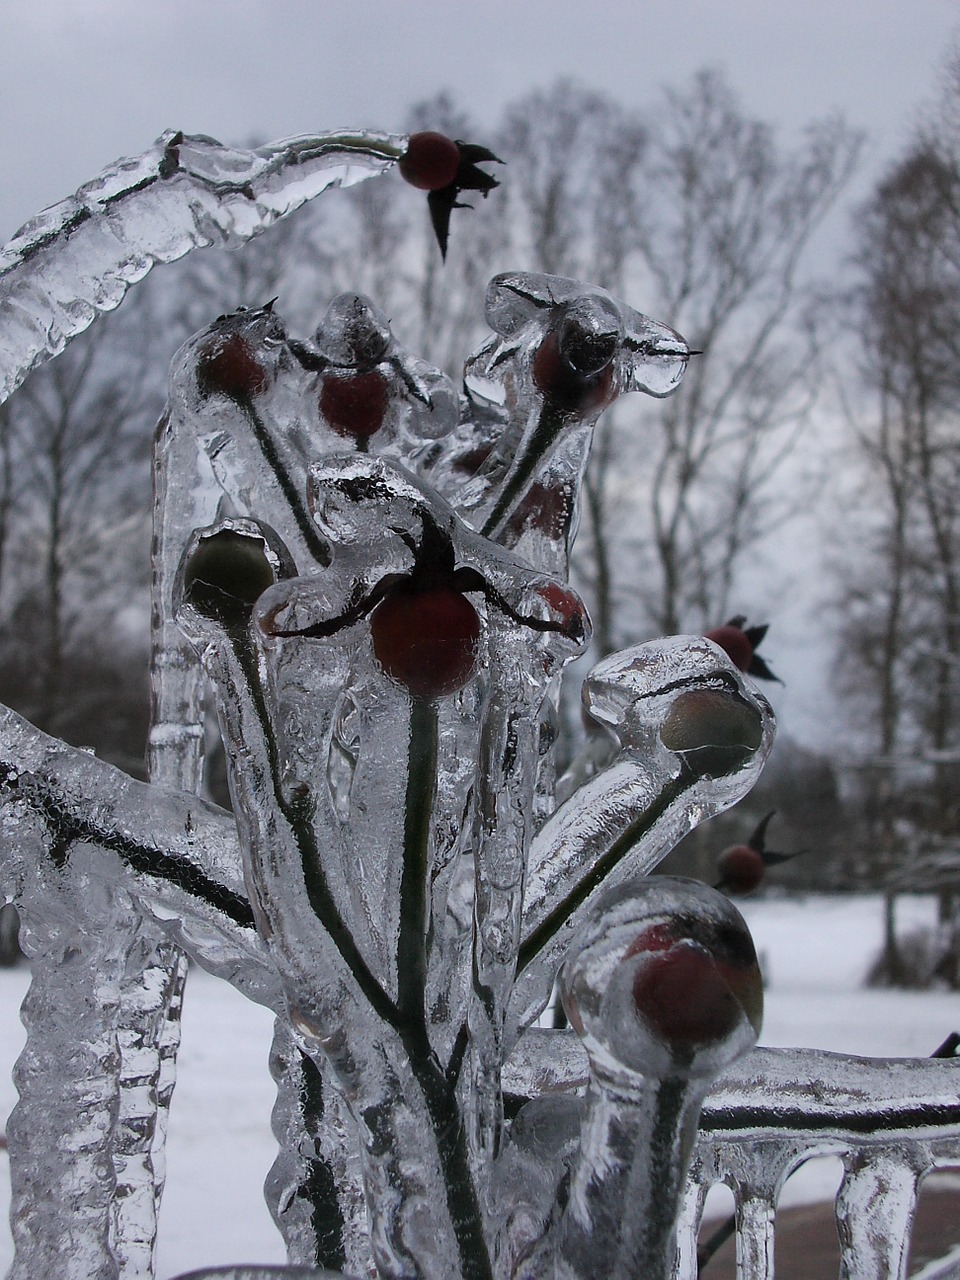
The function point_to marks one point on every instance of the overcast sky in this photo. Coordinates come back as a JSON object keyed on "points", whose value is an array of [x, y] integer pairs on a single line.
{"points": [[85, 81]]}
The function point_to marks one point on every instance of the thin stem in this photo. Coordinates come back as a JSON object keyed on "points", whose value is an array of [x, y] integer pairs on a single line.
{"points": [[414, 905], [531, 946], [549, 425], [267, 446]]}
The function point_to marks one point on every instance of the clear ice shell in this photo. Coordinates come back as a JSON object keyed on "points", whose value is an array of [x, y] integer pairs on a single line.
{"points": [[650, 1067], [77, 259], [561, 352]]}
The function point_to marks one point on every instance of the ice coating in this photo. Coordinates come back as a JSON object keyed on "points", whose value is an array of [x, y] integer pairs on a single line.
{"points": [[77, 259], [561, 353], [369, 386], [662, 987], [624, 819], [263, 1273]]}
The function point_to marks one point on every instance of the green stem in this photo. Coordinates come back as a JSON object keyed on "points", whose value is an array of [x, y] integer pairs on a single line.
{"points": [[548, 928], [438, 1091], [295, 499], [414, 884], [549, 425], [407, 1018]]}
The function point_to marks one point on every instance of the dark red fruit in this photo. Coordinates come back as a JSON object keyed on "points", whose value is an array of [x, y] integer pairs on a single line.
{"points": [[570, 388], [740, 642], [658, 937], [683, 996], [715, 731], [230, 368], [354, 404], [426, 639], [430, 161], [693, 993], [567, 607], [734, 644], [741, 869]]}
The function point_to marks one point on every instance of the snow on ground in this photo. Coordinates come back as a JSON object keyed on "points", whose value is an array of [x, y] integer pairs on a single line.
{"points": [[814, 950]]}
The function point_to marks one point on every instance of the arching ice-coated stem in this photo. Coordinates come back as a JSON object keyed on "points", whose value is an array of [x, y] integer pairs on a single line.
{"points": [[627, 818], [78, 258], [175, 855], [149, 843]]}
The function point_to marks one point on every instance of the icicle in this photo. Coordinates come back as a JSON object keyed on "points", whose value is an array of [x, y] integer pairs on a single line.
{"points": [[875, 1210]]}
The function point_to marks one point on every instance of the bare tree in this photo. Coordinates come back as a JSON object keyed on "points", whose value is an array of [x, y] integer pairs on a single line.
{"points": [[725, 220], [908, 311], [78, 527], [693, 212], [901, 602]]}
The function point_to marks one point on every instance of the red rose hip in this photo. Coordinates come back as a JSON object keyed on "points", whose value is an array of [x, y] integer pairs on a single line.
{"points": [[230, 368], [430, 161], [742, 869], [735, 644], [354, 405], [426, 639]]}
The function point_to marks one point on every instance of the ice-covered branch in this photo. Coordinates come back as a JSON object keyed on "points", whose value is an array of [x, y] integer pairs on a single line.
{"points": [[78, 258], [693, 739], [176, 855]]}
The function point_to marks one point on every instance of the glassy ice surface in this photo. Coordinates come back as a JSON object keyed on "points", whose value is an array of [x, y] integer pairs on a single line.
{"points": [[79, 257], [371, 572]]}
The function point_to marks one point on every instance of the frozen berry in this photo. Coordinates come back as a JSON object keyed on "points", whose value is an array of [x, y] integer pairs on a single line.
{"points": [[695, 985], [426, 638], [716, 732], [741, 869], [734, 644], [354, 405], [566, 386], [430, 161], [683, 996], [740, 642], [230, 368], [567, 608]]}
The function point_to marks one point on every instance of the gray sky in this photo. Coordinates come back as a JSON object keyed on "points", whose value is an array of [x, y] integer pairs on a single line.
{"points": [[85, 81]]}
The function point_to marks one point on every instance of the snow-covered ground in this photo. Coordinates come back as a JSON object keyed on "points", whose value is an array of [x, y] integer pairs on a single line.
{"points": [[814, 951]]}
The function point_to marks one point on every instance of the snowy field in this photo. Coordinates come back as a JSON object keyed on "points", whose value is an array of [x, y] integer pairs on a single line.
{"points": [[815, 952]]}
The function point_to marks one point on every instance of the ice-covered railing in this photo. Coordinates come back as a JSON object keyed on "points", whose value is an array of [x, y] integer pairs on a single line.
{"points": [[890, 1121], [370, 569]]}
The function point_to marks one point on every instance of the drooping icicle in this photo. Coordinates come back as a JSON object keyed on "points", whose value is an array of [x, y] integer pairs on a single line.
{"points": [[61, 1131], [876, 1205]]}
